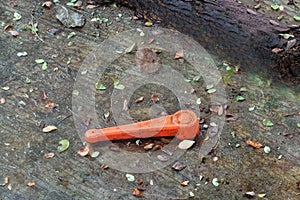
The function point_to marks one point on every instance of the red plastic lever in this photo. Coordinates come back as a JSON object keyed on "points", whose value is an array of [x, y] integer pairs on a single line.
{"points": [[183, 125]]}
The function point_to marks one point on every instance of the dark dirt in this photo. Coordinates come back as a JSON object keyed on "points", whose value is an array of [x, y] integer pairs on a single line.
{"points": [[238, 167]]}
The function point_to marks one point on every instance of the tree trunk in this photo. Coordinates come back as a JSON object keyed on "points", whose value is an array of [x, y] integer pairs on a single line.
{"points": [[229, 30]]}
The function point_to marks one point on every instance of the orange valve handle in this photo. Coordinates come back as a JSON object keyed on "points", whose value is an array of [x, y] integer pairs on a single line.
{"points": [[183, 125]]}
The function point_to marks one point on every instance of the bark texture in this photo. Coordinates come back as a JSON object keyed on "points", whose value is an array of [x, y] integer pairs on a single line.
{"points": [[229, 30]]}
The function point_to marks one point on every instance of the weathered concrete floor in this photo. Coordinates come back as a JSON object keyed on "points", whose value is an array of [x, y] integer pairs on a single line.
{"points": [[70, 176]]}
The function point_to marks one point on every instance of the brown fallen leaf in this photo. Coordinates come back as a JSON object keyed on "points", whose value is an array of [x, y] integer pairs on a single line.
{"points": [[139, 181], [178, 166], [277, 50], [14, 33], [254, 144], [290, 44], [154, 98], [13, 4], [149, 146], [140, 99], [44, 96], [91, 6], [48, 155], [157, 147], [178, 54], [274, 22], [147, 60], [50, 105], [103, 166], [8, 26], [49, 128], [84, 151], [31, 184], [150, 40], [231, 119], [217, 109], [288, 135], [78, 4], [184, 183], [47, 4], [136, 192], [251, 12]]}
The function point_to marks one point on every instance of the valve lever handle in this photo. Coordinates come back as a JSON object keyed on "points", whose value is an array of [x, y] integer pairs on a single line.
{"points": [[183, 125]]}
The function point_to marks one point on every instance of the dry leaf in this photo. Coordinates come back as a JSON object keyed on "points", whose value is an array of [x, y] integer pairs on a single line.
{"points": [[78, 4], [156, 147], [14, 33], [8, 26], [139, 181], [274, 22], [91, 6], [9, 187], [103, 166], [179, 54], [277, 50], [50, 128], [83, 151], [48, 155], [154, 98], [147, 60], [219, 109], [31, 184], [47, 4], [13, 4], [254, 144], [184, 183], [185, 144], [136, 192], [149, 146], [251, 12], [140, 99], [290, 44], [44, 96], [150, 40], [178, 166], [50, 105]]}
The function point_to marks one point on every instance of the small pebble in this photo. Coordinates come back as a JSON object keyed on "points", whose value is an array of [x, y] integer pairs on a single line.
{"points": [[267, 149]]}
